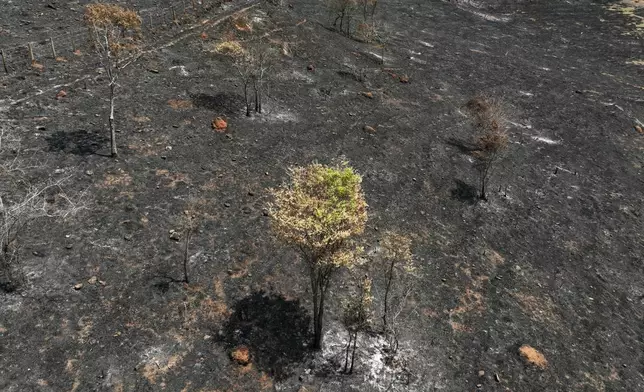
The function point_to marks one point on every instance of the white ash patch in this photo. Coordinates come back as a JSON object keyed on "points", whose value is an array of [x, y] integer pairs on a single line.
{"points": [[526, 93], [417, 60], [370, 360], [296, 75], [180, 70], [545, 140], [427, 44], [376, 56], [490, 17], [275, 114]]}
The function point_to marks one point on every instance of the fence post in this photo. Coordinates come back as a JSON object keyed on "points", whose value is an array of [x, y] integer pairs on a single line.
{"points": [[4, 62], [31, 52], [53, 48]]}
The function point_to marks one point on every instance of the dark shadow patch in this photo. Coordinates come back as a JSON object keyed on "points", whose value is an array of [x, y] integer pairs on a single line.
{"points": [[463, 146], [465, 192], [76, 142], [274, 329], [221, 103]]}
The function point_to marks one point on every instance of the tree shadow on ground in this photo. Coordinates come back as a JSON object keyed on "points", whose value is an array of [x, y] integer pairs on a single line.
{"points": [[465, 192], [275, 330], [76, 142], [222, 103], [464, 146]]}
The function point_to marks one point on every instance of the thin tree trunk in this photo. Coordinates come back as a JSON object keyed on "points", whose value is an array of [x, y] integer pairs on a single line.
{"points": [[246, 99], [111, 120], [320, 318], [315, 289], [185, 256], [390, 277], [259, 97], [353, 354], [346, 354]]}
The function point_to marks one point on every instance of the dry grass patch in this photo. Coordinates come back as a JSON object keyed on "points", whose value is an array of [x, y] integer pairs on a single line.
{"points": [[179, 104], [542, 309], [229, 48], [119, 179], [494, 258], [173, 178], [157, 366]]}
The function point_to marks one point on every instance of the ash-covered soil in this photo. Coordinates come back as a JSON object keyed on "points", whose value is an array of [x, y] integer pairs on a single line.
{"points": [[553, 260]]}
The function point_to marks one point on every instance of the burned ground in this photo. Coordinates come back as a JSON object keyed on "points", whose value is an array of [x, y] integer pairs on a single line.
{"points": [[552, 260]]}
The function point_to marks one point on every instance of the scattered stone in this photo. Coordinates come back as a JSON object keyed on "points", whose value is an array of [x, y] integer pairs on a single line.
{"points": [[156, 71], [174, 235], [89, 172], [311, 67], [639, 129], [251, 193], [497, 378], [92, 280], [69, 246], [78, 286], [404, 79], [128, 237], [241, 355], [219, 124], [204, 35], [226, 205], [481, 373], [61, 94], [369, 129], [533, 357], [368, 94]]}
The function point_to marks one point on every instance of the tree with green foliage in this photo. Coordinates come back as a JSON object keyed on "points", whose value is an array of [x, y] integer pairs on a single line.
{"points": [[319, 213], [114, 32]]}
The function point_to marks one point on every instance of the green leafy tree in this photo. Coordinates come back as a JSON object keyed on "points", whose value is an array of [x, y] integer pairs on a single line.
{"points": [[319, 212]]}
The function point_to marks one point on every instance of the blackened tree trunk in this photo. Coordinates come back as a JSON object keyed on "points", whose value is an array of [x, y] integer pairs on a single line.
{"points": [[390, 278], [185, 256], [319, 284]]}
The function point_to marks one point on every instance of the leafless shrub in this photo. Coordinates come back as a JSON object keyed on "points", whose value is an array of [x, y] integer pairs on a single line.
{"points": [[490, 121], [356, 318], [22, 203], [114, 32], [399, 273]]}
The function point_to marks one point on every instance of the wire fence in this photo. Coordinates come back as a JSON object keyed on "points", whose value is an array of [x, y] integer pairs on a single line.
{"points": [[27, 56]]}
